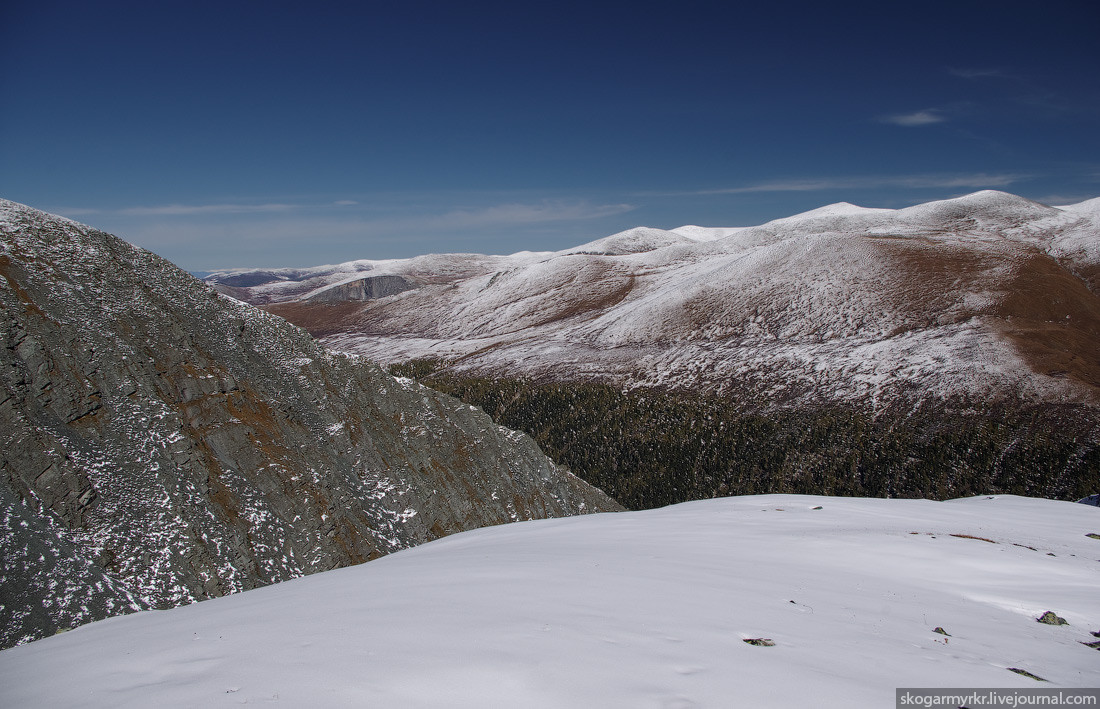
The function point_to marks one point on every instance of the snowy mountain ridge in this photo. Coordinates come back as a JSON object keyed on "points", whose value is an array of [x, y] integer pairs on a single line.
{"points": [[989, 295]]}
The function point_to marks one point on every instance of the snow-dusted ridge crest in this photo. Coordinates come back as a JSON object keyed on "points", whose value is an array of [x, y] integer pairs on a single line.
{"points": [[844, 599], [161, 444], [988, 295]]}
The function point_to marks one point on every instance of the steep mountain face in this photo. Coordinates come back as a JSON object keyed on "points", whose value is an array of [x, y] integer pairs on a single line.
{"points": [[988, 295], [160, 443]]}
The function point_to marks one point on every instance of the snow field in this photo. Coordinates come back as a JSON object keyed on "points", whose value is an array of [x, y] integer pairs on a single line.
{"points": [[643, 609]]}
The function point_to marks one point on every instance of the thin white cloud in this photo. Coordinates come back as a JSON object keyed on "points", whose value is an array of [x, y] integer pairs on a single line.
{"points": [[74, 211], [500, 214], [1062, 200], [974, 180], [977, 180], [505, 214], [926, 117], [974, 73], [176, 210], [155, 230], [419, 214]]}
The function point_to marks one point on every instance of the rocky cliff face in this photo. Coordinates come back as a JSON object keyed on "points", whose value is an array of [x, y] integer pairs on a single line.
{"points": [[368, 288], [161, 443]]}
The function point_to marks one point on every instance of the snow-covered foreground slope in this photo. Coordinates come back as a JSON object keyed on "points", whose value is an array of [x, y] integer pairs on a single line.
{"points": [[989, 294], [646, 609]]}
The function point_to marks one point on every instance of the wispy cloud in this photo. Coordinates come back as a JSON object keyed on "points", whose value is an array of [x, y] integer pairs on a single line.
{"points": [[343, 220], [181, 210], [1034, 93], [499, 214], [1061, 200], [978, 180], [330, 233], [926, 117], [505, 214], [173, 210], [975, 73]]}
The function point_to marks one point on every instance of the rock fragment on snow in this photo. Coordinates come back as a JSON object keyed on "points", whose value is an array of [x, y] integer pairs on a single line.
{"points": [[1050, 618], [1025, 673]]}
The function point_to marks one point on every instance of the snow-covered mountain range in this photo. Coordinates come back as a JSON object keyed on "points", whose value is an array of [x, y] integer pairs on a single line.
{"points": [[771, 601], [161, 444], [987, 294]]}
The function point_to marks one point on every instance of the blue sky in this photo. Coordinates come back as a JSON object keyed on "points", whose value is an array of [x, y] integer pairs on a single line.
{"points": [[280, 134]]}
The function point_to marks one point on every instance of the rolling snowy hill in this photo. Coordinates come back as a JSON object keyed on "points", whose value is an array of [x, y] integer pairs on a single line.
{"points": [[988, 295], [843, 599]]}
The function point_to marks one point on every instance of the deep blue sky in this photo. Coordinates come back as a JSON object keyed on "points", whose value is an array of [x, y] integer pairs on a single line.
{"points": [[266, 134]]}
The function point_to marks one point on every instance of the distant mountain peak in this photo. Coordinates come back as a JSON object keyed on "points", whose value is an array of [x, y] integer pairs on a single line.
{"points": [[838, 209]]}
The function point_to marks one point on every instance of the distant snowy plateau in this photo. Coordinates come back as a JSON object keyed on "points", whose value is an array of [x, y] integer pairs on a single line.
{"points": [[988, 294], [843, 600]]}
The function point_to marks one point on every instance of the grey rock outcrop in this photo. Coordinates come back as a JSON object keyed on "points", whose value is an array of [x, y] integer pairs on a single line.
{"points": [[161, 443], [368, 288]]}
